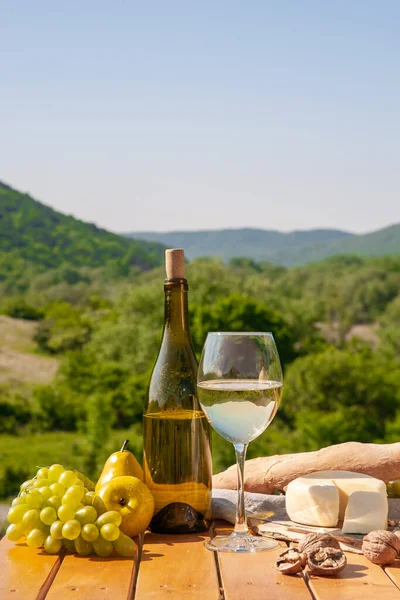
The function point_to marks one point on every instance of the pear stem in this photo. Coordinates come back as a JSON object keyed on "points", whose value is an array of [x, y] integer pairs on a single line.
{"points": [[124, 445]]}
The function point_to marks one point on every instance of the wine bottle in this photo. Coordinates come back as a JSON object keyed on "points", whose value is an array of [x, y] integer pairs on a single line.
{"points": [[177, 436]]}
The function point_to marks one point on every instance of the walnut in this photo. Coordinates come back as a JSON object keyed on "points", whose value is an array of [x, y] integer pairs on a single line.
{"points": [[381, 547], [291, 561], [315, 541], [397, 534], [326, 561]]}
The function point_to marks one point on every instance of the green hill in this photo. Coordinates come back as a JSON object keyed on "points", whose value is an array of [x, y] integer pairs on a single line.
{"points": [[36, 237], [289, 249]]}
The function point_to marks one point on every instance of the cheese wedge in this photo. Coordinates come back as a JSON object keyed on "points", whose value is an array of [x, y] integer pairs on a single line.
{"points": [[312, 503], [321, 498], [365, 512], [347, 483]]}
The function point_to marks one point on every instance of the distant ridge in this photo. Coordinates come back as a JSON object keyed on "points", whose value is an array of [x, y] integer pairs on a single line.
{"points": [[35, 237], [289, 249], [39, 237]]}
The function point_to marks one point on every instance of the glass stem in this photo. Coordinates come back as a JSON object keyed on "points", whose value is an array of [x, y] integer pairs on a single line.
{"points": [[241, 522]]}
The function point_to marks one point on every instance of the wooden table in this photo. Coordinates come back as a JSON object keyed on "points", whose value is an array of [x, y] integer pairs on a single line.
{"points": [[179, 567]]}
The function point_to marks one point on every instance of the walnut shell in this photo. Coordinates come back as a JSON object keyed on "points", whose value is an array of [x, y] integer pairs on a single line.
{"points": [[381, 547], [314, 541], [291, 561], [397, 534], [326, 561]]}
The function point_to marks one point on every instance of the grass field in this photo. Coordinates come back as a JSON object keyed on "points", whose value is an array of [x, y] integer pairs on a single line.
{"points": [[27, 453]]}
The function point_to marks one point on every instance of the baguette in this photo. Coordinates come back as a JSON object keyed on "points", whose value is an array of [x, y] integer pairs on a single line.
{"points": [[266, 474]]}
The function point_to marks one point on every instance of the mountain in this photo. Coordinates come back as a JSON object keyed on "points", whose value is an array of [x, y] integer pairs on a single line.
{"points": [[289, 249], [36, 236]]}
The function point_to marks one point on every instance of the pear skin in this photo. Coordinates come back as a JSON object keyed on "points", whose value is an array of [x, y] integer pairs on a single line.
{"points": [[119, 464], [131, 498]]}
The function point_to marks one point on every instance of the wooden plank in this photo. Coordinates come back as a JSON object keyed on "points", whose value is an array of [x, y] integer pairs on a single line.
{"points": [[360, 580], [177, 567], [25, 573], [92, 577], [393, 571], [254, 576]]}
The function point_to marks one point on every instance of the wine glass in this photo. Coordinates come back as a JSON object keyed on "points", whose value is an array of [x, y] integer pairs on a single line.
{"points": [[240, 386]]}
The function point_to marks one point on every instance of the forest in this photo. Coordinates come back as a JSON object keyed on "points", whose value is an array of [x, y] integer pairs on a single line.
{"points": [[336, 324]]}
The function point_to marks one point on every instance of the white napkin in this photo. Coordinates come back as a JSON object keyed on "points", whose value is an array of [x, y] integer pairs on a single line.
{"points": [[224, 505]]}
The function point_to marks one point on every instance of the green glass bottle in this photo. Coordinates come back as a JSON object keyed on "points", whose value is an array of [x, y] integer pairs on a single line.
{"points": [[177, 436]]}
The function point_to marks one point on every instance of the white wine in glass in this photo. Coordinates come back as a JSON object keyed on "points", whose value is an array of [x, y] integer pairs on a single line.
{"points": [[239, 388]]}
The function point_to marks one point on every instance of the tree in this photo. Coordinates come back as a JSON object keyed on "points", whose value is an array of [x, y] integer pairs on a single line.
{"points": [[389, 330], [240, 313], [64, 328], [340, 395]]}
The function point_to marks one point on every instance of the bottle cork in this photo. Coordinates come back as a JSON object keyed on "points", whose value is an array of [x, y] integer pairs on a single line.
{"points": [[175, 263]]}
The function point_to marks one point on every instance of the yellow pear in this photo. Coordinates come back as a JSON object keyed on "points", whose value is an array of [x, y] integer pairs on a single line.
{"points": [[131, 498], [118, 464]]}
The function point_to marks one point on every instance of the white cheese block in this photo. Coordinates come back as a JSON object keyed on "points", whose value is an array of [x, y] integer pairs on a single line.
{"points": [[365, 512], [347, 483], [312, 499], [312, 503]]}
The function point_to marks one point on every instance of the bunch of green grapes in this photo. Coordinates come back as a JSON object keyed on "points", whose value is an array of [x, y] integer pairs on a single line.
{"points": [[55, 509]]}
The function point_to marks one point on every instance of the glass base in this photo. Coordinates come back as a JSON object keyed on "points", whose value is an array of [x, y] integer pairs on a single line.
{"points": [[240, 543]]}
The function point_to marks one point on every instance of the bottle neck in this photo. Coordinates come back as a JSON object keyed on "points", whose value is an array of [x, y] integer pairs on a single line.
{"points": [[176, 315]]}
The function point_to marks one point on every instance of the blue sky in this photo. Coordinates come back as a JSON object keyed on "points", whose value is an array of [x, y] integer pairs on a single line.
{"points": [[195, 115]]}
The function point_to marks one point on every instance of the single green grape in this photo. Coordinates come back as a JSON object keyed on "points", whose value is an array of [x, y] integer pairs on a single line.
{"points": [[26, 484], [102, 547], [52, 545], [69, 545], [44, 528], [88, 498], [73, 496], [34, 499], [67, 500], [55, 472], [66, 513], [57, 489], [71, 529], [16, 513], [31, 520], [42, 473], [14, 532], [82, 546], [56, 530], [41, 483], [90, 532], [75, 491], [18, 500], [35, 538], [109, 532], [111, 516], [54, 502], [48, 515], [124, 545], [85, 515], [67, 478], [46, 492]]}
